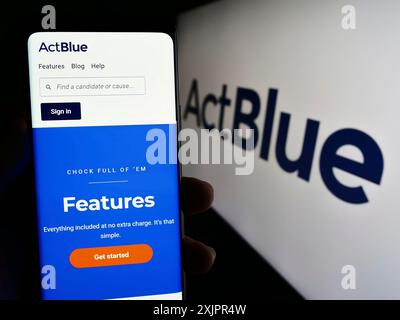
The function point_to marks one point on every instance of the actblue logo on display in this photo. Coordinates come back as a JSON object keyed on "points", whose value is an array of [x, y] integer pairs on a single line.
{"points": [[63, 47], [109, 221], [371, 169]]}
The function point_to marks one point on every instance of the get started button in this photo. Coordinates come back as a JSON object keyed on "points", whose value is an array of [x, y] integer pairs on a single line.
{"points": [[110, 256]]}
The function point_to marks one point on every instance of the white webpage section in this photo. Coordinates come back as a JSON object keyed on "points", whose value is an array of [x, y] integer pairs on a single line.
{"points": [[121, 79], [167, 296]]}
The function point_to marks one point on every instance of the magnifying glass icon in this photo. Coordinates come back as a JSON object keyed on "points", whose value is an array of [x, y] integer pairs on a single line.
{"points": [[48, 87]]}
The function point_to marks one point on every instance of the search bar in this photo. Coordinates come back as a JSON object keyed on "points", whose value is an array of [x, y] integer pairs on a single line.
{"points": [[104, 86]]}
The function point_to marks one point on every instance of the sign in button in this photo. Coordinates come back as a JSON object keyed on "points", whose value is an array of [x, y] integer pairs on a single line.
{"points": [[61, 111]]}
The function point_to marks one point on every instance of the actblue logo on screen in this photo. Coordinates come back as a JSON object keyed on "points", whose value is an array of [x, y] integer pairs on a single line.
{"points": [[108, 221], [63, 47], [371, 169]]}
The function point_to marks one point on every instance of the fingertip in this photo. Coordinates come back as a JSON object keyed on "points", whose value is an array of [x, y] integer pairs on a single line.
{"points": [[197, 195], [198, 257]]}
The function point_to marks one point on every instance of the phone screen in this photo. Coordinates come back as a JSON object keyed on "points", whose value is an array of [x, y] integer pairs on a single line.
{"points": [[107, 179]]}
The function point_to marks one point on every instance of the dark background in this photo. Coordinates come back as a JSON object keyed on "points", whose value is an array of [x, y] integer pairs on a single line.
{"points": [[239, 272]]}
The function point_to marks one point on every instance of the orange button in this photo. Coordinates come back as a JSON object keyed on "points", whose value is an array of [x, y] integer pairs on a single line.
{"points": [[110, 256]]}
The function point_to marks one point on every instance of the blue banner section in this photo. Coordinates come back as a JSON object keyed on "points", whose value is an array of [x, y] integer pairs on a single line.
{"points": [[95, 189]]}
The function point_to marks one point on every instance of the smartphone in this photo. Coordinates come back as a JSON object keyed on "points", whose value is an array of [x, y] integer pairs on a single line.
{"points": [[104, 123]]}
